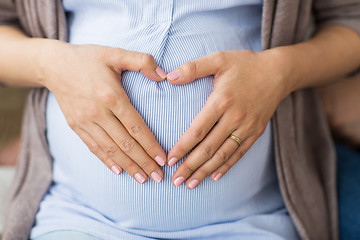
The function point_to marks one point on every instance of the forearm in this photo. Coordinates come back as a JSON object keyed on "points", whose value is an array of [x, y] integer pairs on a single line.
{"points": [[340, 101], [19, 58], [332, 53]]}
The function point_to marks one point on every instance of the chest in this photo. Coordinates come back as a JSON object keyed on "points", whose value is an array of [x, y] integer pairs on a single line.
{"points": [[154, 11]]}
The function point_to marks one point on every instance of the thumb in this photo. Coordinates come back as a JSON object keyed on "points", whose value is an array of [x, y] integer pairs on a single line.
{"points": [[189, 71], [137, 61]]}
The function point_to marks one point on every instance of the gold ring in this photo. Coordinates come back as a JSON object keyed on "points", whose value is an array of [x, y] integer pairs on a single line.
{"points": [[235, 138]]}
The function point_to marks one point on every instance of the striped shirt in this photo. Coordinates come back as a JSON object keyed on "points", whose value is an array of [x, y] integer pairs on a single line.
{"points": [[85, 196]]}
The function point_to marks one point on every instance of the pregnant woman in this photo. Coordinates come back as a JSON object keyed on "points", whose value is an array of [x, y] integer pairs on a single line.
{"points": [[111, 99], [86, 197]]}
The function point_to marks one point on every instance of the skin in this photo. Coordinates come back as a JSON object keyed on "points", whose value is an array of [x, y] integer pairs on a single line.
{"points": [[10, 152], [340, 101], [86, 83], [248, 86]]}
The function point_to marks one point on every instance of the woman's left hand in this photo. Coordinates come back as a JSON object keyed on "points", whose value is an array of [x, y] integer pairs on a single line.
{"points": [[248, 86]]}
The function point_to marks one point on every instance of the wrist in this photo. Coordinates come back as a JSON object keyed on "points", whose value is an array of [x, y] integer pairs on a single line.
{"points": [[47, 52], [279, 64]]}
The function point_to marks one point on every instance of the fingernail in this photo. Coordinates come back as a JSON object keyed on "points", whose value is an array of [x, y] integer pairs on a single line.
{"points": [[217, 177], [139, 178], [174, 75], [193, 183], [160, 72], [172, 161], [160, 160], [156, 177], [115, 169], [179, 181]]}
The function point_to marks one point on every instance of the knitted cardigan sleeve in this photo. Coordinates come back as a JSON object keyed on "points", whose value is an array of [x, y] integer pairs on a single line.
{"points": [[339, 12]]}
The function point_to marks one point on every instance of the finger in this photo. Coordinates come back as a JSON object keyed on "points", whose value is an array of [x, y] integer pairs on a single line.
{"points": [[92, 145], [206, 150], [130, 147], [199, 128], [124, 111], [201, 67], [239, 153], [220, 157], [106, 144], [136, 61]]}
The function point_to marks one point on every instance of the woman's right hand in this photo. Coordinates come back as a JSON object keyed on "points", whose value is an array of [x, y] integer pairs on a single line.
{"points": [[85, 80]]}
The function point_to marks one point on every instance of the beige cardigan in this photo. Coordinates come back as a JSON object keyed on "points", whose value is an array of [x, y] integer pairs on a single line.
{"points": [[305, 157]]}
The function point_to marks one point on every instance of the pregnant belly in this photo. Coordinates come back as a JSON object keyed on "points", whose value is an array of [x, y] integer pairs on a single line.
{"points": [[81, 178], [168, 110]]}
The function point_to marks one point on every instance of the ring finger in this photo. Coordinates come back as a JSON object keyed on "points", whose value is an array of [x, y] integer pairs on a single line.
{"points": [[131, 148], [90, 143], [107, 144], [238, 154], [221, 156]]}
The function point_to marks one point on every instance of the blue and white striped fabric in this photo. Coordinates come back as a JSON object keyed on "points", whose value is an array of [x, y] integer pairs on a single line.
{"points": [[88, 197]]}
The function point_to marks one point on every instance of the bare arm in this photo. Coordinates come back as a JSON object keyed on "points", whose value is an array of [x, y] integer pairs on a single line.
{"points": [[248, 87], [341, 101], [85, 80], [332, 53], [19, 58]]}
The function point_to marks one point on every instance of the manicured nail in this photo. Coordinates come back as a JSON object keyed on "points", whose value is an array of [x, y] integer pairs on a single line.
{"points": [[115, 169], [160, 72], [160, 160], [179, 181], [174, 75], [193, 183], [217, 177], [172, 161], [156, 177], [139, 178]]}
